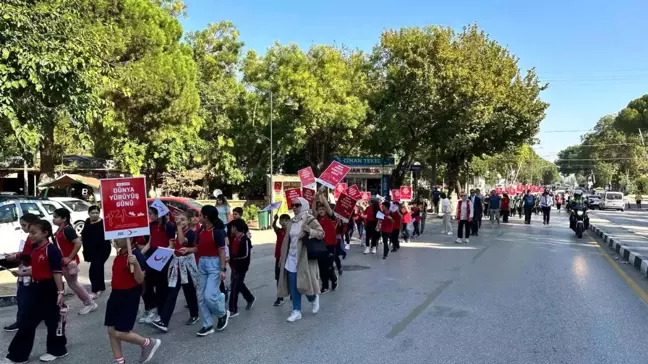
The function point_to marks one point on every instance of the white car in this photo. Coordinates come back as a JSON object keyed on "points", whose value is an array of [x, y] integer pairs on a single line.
{"points": [[13, 207], [78, 210]]}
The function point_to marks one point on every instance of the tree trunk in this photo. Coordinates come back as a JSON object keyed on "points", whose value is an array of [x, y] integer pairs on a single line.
{"points": [[433, 165], [452, 176], [47, 152]]}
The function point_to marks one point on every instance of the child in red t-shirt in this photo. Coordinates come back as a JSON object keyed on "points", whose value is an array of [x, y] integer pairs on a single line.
{"points": [[327, 220], [281, 233], [386, 226], [123, 303]]}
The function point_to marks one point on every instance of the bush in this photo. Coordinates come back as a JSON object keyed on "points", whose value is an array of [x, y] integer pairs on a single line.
{"points": [[640, 185], [251, 213]]}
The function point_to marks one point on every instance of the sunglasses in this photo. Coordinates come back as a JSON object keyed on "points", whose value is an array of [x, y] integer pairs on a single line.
{"points": [[296, 205]]}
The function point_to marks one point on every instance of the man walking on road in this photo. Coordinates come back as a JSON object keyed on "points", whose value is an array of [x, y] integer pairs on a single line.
{"points": [[476, 203], [494, 205], [529, 203], [546, 201]]}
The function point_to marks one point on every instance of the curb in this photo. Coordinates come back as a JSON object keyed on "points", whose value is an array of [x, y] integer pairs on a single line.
{"points": [[624, 252]]}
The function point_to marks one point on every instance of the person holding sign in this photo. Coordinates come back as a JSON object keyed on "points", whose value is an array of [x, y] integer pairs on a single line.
{"points": [[386, 226], [70, 244], [397, 216], [212, 270], [301, 275], [123, 303], [372, 233], [163, 234], [45, 298], [327, 221], [183, 272]]}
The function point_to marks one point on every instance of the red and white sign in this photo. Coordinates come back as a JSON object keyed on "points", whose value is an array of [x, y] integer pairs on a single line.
{"points": [[406, 193], [277, 186], [366, 195], [333, 174], [498, 190], [354, 192], [309, 195], [340, 189], [292, 194], [123, 201], [396, 195], [307, 177], [344, 207]]}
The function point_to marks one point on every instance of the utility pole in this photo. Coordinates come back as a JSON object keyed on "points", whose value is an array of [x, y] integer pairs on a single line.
{"points": [[271, 155]]}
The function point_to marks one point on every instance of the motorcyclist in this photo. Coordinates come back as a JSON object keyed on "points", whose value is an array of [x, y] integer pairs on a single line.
{"points": [[577, 199]]}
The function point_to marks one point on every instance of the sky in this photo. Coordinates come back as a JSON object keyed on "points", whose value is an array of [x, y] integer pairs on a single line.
{"points": [[591, 53]]}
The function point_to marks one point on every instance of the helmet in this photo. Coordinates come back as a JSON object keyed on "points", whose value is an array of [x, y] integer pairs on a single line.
{"points": [[578, 193]]}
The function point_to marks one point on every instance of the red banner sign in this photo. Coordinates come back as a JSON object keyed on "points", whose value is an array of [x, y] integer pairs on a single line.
{"points": [[333, 174], [123, 201], [277, 186], [306, 176], [406, 193], [292, 194], [498, 190], [395, 195], [344, 207], [366, 195], [340, 189], [354, 192], [309, 195]]}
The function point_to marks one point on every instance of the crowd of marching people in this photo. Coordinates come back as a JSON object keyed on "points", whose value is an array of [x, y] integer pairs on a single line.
{"points": [[310, 247]]}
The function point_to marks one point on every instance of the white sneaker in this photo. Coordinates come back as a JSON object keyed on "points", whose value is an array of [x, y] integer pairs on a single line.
{"points": [[316, 304], [449, 232], [373, 250], [150, 317], [458, 241], [347, 246], [294, 316], [142, 319], [366, 250], [49, 357], [89, 308], [467, 241]]}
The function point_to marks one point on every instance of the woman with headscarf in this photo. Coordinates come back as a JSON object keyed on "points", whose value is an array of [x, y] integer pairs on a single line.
{"points": [[300, 275]]}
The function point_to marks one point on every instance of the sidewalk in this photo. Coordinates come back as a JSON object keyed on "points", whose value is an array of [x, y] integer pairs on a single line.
{"points": [[629, 241]]}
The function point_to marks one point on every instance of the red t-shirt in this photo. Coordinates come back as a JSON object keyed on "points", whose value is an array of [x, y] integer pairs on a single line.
{"points": [[397, 220], [209, 241], [328, 226], [280, 237], [45, 260], [26, 252], [407, 217], [371, 215], [235, 246], [122, 278], [190, 237], [387, 225], [160, 236], [64, 238]]}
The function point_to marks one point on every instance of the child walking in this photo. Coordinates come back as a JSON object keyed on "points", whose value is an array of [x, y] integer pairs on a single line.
{"points": [[123, 303], [240, 263], [281, 233], [183, 272], [45, 299]]}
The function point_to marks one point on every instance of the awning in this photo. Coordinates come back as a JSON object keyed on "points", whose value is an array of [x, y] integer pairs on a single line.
{"points": [[70, 179]]}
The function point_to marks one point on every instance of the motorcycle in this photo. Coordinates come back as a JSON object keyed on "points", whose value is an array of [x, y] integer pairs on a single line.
{"points": [[578, 219]]}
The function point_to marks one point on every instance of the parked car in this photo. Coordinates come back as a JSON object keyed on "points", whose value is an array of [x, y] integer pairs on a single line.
{"points": [[612, 201], [78, 210]]}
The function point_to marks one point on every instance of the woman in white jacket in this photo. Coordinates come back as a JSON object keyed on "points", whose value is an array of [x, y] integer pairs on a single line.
{"points": [[446, 210]]}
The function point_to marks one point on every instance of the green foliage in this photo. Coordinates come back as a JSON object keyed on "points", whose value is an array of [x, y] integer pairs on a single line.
{"points": [[250, 213], [640, 185]]}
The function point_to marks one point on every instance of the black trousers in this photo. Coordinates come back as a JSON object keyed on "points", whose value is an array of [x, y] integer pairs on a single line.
{"points": [[371, 234], [237, 284], [96, 272], [546, 211], [464, 229], [42, 306], [505, 215], [156, 289], [395, 236], [191, 297], [475, 225], [527, 214], [386, 237], [327, 271]]}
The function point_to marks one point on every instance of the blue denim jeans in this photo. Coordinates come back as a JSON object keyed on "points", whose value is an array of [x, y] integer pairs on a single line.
{"points": [[210, 299], [294, 293]]}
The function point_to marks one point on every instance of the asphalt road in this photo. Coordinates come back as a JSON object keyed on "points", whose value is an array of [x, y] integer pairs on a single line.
{"points": [[517, 294]]}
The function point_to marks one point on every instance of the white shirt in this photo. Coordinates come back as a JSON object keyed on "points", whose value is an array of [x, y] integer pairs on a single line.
{"points": [[466, 215], [445, 206], [293, 238]]}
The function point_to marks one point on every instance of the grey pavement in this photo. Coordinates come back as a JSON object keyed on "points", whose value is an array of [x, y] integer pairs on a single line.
{"points": [[517, 294], [626, 233]]}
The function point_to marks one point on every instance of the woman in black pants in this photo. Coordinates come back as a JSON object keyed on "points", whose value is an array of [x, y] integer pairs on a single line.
{"points": [[372, 235], [96, 250]]}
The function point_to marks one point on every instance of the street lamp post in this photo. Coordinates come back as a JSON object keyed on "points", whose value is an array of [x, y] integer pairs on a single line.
{"points": [[271, 155]]}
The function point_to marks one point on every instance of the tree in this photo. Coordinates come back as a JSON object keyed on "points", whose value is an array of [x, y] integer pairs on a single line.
{"points": [[51, 58], [318, 100], [634, 116], [459, 93]]}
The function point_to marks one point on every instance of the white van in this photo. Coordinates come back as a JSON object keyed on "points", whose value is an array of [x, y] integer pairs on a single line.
{"points": [[612, 201]]}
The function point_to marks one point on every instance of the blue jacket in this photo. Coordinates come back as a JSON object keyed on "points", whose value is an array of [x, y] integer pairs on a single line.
{"points": [[478, 209], [529, 200]]}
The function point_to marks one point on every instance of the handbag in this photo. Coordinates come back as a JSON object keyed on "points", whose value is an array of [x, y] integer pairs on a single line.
{"points": [[316, 248]]}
